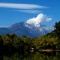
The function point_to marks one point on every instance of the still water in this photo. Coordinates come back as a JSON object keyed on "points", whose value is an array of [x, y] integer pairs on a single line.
{"points": [[31, 56]]}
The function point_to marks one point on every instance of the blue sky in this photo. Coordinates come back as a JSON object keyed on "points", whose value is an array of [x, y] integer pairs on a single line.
{"points": [[29, 9]]}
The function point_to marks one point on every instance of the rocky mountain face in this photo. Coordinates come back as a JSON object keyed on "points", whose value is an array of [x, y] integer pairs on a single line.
{"points": [[22, 28]]}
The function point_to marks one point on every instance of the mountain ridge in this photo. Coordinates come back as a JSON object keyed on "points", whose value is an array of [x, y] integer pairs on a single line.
{"points": [[23, 28]]}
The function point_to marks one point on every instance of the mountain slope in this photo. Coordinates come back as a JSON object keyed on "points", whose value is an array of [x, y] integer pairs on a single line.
{"points": [[22, 28], [4, 31]]}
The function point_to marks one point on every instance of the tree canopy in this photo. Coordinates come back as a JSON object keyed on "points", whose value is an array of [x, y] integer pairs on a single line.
{"points": [[11, 42]]}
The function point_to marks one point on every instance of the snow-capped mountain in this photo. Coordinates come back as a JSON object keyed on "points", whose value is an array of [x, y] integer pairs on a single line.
{"points": [[23, 28]]}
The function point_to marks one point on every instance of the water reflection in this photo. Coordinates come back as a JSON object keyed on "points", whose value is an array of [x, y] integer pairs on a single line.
{"points": [[31, 56]]}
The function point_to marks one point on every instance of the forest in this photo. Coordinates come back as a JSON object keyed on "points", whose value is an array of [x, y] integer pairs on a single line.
{"points": [[13, 43]]}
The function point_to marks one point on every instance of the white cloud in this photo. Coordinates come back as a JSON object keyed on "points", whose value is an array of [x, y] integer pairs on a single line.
{"points": [[21, 6], [36, 21], [29, 11]]}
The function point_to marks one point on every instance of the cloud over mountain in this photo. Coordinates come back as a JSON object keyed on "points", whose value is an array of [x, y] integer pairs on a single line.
{"points": [[21, 6], [27, 8], [31, 28], [29, 11], [36, 21]]}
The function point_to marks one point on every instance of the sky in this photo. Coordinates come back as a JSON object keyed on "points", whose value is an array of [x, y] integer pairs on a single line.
{"points": [[35, 12]]}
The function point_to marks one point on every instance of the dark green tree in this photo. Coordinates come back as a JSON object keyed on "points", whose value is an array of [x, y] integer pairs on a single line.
{"points": [[57, 28]]}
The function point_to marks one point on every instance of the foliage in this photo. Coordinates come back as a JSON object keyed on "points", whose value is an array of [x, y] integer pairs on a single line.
{"points": [[11, 42]]}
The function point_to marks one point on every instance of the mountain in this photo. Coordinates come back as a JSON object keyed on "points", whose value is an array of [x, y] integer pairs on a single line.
{"points": [[22, 28], [4, 31]]}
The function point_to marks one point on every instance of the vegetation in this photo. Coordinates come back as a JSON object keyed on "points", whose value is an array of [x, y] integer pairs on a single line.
{"points": [[33, 56], [11, 42]]}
